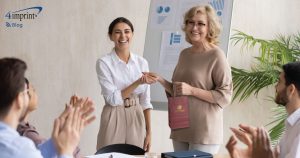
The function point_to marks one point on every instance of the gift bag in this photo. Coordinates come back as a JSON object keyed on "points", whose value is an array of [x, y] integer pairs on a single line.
{"points": [[178, 110]]}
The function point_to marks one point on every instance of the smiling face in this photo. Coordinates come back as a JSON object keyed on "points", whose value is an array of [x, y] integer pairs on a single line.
{"points": [[121, 36], [197, 28], [201, 20]]}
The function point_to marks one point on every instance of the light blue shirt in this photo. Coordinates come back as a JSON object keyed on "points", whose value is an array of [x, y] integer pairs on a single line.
{"points": [[12, 145]]}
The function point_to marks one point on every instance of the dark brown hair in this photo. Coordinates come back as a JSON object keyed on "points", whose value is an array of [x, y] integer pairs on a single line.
{"points": [[119, 20], [292, 74], [12, 81]]}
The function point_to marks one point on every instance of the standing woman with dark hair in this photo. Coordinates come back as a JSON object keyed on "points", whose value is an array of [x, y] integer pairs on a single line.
{"points": [[125, 118]]}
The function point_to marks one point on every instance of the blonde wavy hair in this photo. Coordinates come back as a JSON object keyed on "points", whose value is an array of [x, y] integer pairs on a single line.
{"points": [[214, 25]]}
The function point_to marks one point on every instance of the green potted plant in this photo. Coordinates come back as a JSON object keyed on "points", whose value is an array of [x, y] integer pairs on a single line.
{"points": [[267, 66]]}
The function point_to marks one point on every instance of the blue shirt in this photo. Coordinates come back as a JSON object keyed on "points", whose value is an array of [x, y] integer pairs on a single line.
{"points": [[12, 145]]}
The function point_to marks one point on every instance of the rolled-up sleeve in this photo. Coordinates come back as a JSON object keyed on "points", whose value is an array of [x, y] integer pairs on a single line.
{"points": [[144, 97], [223, 82], [111, 94]]}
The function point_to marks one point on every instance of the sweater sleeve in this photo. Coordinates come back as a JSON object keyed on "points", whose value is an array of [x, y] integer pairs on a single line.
{"points": [[221, 75]]}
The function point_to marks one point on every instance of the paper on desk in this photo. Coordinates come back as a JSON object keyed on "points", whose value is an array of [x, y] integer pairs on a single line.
{"points": [[111, 155]]}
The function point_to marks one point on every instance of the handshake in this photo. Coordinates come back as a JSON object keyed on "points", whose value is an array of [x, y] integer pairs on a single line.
{"points": [[149, 78], [174, 88]]}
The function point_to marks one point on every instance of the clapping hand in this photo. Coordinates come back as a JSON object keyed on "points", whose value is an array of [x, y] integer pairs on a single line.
{"points": [[74, 98], [65, 134], [86, 105], [87, 108], [257, 141], [244, 136], [261, 144], [70, 124]]}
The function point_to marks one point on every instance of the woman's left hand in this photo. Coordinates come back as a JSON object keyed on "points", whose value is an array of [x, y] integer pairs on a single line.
{"points": [[147, 142], [182, 88]]}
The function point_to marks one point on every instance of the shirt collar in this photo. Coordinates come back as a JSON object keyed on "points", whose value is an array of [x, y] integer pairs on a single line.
{"points": [[7, 127], [294, 117], [116, 59]]}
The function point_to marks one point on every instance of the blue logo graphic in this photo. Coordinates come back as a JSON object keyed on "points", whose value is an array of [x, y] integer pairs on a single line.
{"points": [[218, 5], [161, 9], [167, 9], [20, 15], [175, 38]]}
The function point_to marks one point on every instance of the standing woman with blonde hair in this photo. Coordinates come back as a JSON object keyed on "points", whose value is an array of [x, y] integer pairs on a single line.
{"points": [[125, 118], [204, 76]]}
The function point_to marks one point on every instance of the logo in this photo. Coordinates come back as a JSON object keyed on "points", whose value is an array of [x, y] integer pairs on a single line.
{"points": [[162, 12], [179, 108], [15, 19], [162, 9]]}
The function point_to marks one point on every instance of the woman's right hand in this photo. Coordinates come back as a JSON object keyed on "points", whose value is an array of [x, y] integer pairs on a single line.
{"points": [[148, 78], [166, 84]]}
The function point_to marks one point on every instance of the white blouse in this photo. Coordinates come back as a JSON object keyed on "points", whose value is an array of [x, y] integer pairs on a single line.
{"points": [[115, 75]]}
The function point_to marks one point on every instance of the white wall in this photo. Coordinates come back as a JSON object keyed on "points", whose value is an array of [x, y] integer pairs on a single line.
{"points": [[62, 45]]}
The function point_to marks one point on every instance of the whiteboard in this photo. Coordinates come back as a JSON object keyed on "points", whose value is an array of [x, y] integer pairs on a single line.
{"points": [[165, 39]]}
